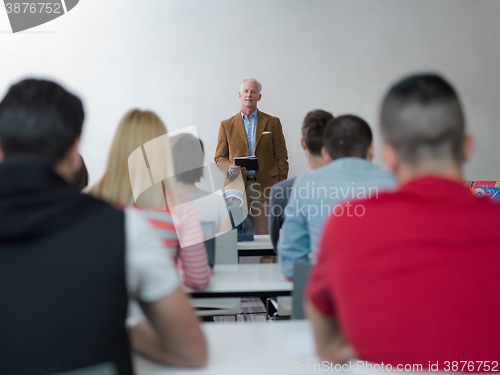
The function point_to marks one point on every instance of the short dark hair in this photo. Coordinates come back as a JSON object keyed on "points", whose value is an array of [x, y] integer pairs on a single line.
{"points": [[312, 130], [187, 151], [347, 135], [422, 118], [41, 119]]}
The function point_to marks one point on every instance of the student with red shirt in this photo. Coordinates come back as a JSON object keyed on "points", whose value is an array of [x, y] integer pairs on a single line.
{"points": [[415, 280]]}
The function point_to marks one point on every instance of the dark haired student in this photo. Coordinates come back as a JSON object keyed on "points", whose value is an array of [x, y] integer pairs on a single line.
{"points": [[68, 262], [317, 194], [311, 142]]}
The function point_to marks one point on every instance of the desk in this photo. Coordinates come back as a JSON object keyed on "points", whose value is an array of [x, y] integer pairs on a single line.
{"points": [[261, 245], [272, 348], [245, 280]]}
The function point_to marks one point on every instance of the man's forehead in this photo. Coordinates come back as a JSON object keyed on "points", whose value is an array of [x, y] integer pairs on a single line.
{"points": [[250, 85]]}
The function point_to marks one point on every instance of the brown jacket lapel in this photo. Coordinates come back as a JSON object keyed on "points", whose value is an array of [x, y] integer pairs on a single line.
{"points": [[261, 125], [240, 127]]}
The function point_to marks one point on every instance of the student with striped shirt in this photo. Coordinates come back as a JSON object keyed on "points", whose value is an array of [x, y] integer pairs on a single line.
{"points": [[170, 214]]}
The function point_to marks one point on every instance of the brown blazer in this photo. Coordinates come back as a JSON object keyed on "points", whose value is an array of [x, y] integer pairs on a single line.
{"points": [[270, 149]]}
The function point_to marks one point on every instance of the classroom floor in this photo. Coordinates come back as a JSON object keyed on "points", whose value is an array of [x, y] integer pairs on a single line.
{"points": [[253, 310]]}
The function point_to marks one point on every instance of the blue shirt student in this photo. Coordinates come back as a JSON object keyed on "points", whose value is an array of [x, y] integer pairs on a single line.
{"points": [[318, 194]]}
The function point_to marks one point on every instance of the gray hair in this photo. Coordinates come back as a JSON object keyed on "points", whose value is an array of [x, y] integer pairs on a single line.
{"points": [[259, 86]]}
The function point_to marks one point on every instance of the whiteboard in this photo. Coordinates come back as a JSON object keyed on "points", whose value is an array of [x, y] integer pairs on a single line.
{"points": [[185, 60]]}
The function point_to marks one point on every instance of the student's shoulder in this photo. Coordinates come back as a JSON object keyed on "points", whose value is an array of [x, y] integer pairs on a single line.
{"points": [[281, 190], [302, 180], [314, 175], [381, 203], [284, 183], [383, 175], [370, 212], [90, 205], [153, 218]]}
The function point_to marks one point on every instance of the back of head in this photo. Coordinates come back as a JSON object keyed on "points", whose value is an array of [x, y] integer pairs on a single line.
{"points": [[187, 152], [423, 121], [347, 135], [134, 130], [39, 119], [313, 128]]}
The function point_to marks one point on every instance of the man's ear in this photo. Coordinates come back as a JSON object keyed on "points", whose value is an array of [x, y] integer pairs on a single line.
{"points": [[260, 97], [324, 155], [390, 157], [468, 147], [74, 158], [239, 94], [303, 143], [369, 153], [70, 163]]}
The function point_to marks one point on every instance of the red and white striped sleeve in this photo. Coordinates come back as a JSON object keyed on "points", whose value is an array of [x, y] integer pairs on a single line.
{"points": [[192, 259]]}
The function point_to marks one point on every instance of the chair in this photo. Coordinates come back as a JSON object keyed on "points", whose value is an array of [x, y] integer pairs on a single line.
{"points": [[226, 247], [226, 252], [208, 228], [301, 270], [294, 305], [279, 308], [107, 368]]}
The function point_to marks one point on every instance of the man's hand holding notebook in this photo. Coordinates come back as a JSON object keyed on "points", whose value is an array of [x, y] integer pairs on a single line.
{"points": [[251, 163]]}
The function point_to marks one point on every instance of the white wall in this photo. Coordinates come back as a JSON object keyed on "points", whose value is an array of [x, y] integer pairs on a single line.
{"points": [[184, 59]]}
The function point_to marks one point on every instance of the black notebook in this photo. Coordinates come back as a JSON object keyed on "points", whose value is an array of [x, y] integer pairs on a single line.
{"points": [[249, 162]]}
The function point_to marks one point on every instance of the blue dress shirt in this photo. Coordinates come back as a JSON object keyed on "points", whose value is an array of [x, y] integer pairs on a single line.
{"points": [[250, 127]]}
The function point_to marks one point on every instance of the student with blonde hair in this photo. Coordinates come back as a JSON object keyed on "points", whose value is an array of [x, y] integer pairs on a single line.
{"points": [[140, 155]]}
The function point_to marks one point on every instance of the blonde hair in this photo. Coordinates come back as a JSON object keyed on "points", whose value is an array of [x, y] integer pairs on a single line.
{"points": [[134, 130]]}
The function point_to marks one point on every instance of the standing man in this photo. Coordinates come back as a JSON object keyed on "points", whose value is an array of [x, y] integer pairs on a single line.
{"points": [[253, 133]]}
